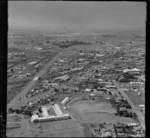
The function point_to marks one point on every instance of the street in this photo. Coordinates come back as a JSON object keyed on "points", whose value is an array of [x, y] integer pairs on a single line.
{"points": [[134, 108], [32, 82]]}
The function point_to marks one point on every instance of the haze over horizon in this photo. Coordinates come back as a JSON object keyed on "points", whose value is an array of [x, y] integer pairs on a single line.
{"points": [[76, 16]]}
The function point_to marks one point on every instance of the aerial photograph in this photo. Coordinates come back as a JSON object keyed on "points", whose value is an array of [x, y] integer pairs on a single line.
{"points": [[76, 69]]}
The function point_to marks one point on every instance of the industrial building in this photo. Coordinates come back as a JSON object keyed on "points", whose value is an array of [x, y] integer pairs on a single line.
{"points": [[65, 101], [46, 115]]}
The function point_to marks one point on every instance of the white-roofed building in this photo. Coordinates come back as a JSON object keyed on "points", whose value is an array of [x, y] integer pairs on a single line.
{"points": [[34, 117], [32, 63], [99, 55], [36, 78], [65, 101], [131, 70], [48, 115], [45, 113], [88, 90], [65, 77], [57, 110]]}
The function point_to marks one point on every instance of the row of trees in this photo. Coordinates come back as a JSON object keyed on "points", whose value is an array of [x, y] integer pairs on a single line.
{"points": [[26, 112]]}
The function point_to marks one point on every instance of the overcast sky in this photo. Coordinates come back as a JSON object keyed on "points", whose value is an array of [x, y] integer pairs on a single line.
{"points": [[51, 15]]}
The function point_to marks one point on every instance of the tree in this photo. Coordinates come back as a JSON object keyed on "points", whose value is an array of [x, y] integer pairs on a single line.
{"points": [[96, 71], [10, 110]]}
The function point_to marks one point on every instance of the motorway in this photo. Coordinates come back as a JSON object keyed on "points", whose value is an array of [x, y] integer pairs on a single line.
{"points": [[134, 108], [32, 82]]}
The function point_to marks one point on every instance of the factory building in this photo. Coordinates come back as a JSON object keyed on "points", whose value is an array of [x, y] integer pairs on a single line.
{"points": [[65, 101], [46, 115], [57, 110]]}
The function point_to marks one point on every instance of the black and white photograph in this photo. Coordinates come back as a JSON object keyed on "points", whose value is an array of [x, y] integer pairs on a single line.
{"points": [[76, 69]]}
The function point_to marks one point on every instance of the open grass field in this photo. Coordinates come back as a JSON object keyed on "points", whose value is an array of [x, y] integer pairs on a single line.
{"points": [[92, 106], [136, 99], [14, 90], [104, 118], [13, 118], [52, 126], [90, 112], [63, 128], [64, 133], [12, 132]]}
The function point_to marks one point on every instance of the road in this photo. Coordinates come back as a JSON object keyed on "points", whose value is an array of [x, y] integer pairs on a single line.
{"points": [[38, 96], [134, 108], [32, 82], [48, 92]]}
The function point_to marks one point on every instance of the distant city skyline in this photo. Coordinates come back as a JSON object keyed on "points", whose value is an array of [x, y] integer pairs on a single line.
{"points": [[76, 16]]}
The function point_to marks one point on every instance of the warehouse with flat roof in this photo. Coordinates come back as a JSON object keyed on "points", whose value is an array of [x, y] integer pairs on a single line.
{"points": [[47, 116]]}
